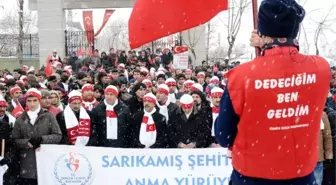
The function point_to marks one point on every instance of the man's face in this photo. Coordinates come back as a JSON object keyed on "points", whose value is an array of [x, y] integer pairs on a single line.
{"points": [[161, 81], [112, 51], [83, 81], [32, 103], [40, 78], [54, 53], [115, 75], [110, 98], [172, 88], [2, 110], [3, 92], [181, 81], [215, 100], [16, 75], [87, 95], [187, 110], [123, 88], [17, 94], [97, 94], [75, 105], [136, 76], [46, 102], [149, 89], [197, 99], [200, 80], [188, 76], [161, 97], [149, 106], [140, 93], [53, 99]]}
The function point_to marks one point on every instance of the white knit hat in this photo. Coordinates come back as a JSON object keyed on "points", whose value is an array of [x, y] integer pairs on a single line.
{"points": [[187, 101], [33, 92], [201, 75], [147, 82], [112, 89], [163, 88], [87, 87], [74, 95], [214, 80], [216, 91], [150, 97], [196, 87], [188, 82], [170, 82]]}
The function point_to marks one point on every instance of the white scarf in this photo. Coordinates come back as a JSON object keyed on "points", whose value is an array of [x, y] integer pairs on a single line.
{"points": [[33, 115], [78, 131], [322, 125], [11, 118], [147, 134], [164, 108], [172, 97], [111, 121], [214, 117], [66, 86], [89, 105]]}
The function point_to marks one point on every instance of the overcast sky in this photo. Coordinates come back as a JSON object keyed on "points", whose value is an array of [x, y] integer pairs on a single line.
{"points": [[316, 11]]}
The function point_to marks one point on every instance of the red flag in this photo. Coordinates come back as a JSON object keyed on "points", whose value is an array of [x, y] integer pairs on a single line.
{"points": [[49, 70], [17, 111], [151, 20], [88, 26], [107, 16]]}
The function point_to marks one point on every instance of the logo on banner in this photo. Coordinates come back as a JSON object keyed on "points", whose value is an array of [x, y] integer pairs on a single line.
{"points": [[73, 168]]}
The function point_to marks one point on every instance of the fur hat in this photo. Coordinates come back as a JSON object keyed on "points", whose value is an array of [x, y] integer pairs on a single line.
{"points": [[280, 18]]}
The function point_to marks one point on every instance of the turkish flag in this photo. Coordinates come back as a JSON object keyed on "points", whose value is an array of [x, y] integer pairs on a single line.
{"points": [[88, 26], [49, 70], [107, 16], [151, 20], [180, 49], [150, 128], [17, 111]]}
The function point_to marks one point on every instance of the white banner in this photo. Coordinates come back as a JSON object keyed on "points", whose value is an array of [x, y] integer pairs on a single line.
{"points": [[181, 57], [69, 165]]}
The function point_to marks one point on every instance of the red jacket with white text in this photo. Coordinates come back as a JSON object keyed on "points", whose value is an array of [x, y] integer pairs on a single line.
{"points": [[279, 98]]}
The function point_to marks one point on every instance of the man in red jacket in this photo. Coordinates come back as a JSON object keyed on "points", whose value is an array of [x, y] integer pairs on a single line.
{"points": [[271, 109]]}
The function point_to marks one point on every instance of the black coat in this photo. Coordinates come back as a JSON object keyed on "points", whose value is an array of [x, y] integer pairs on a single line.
{"points": [[135, 105], [161, 129], [194, 129], [11, 157], [172, 116], [65, 139], [98, 121]]}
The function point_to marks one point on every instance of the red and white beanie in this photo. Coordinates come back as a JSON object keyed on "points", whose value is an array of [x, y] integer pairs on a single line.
{"points": [[160, 73], [216, 91], [23, 77], [2, 81], [33, 92], [197, 87], [3, 102], [187, 101], [214, 80], [87, 87], [20, 82], [188, 71], [121, 66], [14, 89], [150, 97], [7, 77], [163, 88], [147, 82], [201, 75], [144, 70], [112, 89], [188, 83], [170, 82], [24, 68], [74, 95]]}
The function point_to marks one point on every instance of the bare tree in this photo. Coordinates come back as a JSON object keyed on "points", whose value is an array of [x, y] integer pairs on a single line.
{"points": [[324, 24], [235, 13], [21, 34], [116, 32], [193, 37], [210, 35]]}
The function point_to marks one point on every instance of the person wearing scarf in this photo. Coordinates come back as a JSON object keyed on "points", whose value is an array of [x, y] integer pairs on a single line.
{"points": [[34, 127], [110, 120], [56, 100], [216, 95], [89, 101], [75, 121], [15, 94], [171, 83], [149, 127]]}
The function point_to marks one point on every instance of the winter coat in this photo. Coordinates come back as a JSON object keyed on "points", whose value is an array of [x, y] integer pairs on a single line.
{"points": [[172, 116], [161, 129], [106, 63], [98, 121], [11, 157], [134, 105], [61, 122], [193, 129], [325, 140], [46, 127]]}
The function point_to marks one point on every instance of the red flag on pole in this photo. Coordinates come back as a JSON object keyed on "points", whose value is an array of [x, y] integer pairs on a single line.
{"points": [[88, 26], [151, 20], [107, 16], [49, 70]]}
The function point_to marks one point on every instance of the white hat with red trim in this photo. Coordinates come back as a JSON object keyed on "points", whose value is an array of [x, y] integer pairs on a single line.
{"points": [[23, 77], [216, 91], [187, 101], [33, 92], [197, 87], [163, 88], [201, 75], [147, 82], [74, 95], [14, 89], [87, 87], [170, 82], [214, 80], [188, 83], [112, 89], [3, 102], [150, 97]]}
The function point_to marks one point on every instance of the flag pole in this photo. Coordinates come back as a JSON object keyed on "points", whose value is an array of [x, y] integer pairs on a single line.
{"points": [[3, 148], [255, 22]]}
